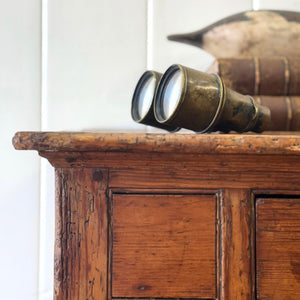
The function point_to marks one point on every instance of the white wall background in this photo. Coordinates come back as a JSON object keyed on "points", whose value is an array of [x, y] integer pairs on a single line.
{"points": [[73, 65]]}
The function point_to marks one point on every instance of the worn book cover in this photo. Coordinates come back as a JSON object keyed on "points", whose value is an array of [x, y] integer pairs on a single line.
{"points": [[273, 76]]}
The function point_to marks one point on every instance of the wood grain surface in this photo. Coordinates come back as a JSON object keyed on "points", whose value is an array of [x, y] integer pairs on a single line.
{"points": [[80, 270], [170, 143], [278, 248], [237, 252], [164, 246]]}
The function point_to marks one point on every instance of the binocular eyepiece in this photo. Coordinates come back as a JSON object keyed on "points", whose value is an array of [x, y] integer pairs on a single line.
{"points": [[143, 101], [186, 98]]}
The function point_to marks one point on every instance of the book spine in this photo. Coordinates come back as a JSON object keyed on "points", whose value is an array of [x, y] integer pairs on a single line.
{"points": [[260, 76], [285, 111]]}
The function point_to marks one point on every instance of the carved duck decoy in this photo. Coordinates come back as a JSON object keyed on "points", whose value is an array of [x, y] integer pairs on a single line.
{"points": [[252, 33]]}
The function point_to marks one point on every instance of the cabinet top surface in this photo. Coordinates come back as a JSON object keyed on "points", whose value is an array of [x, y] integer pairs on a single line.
{"points": [[160, 143]]}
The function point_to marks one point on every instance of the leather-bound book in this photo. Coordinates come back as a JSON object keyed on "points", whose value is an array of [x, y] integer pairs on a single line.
{"points": [[285, 111], [260, 76]]}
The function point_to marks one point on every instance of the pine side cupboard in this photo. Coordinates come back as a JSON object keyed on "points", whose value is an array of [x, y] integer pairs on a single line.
{"points": [[175, 216]]}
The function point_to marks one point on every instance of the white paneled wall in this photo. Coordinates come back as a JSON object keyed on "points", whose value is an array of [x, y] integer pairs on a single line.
{"points": [[99, 47], [73, 65], [19, 177], [280, 5]]}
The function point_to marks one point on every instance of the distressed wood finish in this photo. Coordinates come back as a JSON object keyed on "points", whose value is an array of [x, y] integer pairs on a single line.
{"points": [[81, 234], [237, 257], [161, 253], [122, 197], [170, 143], [278, 248]]}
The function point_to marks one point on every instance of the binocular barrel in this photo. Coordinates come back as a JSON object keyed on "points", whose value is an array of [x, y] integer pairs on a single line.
{"points": [[200, 102], [186, 98]]}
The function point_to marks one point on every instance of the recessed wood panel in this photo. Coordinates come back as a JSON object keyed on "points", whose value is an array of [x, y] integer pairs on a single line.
{"points": [[164, 246], [278, 248]]}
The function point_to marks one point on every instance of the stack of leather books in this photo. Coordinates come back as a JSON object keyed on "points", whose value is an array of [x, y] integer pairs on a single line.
{"points": [[272, 81]]}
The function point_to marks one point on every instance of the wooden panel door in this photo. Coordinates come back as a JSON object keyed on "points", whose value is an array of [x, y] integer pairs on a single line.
{"points": [[164, 246], [278, 248]]}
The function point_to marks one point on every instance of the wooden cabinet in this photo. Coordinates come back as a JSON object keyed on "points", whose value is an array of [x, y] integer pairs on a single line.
{"points": [[174, 216], [278, 247]]}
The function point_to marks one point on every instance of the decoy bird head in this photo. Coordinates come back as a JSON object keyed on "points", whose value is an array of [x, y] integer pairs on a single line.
{"points": [[251, 33]]}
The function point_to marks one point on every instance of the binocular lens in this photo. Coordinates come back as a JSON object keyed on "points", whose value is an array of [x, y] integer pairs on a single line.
{"points": [[144, 96], [143, 99], [171, 94]]}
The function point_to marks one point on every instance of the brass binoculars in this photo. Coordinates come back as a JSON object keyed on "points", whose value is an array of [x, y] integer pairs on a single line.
{"points": [[190, 99]]}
